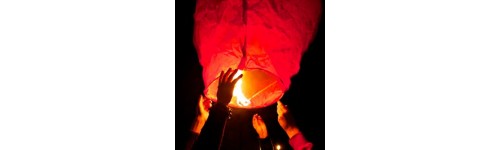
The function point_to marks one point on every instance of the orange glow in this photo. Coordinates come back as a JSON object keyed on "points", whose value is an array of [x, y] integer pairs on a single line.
{"points": [[278, 147], [238, 92]]}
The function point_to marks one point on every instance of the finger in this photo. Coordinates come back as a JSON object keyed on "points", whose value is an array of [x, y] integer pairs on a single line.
{"points": [[257, 123], [283, 108], [259, 118], [278, 110], [232, 74], [202, 104], [280, 106], [226, 74], [200, 101], [236, 80], [220, 77]]}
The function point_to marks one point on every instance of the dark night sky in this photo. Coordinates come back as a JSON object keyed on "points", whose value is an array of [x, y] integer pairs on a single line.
{"points": [[305, 98]]}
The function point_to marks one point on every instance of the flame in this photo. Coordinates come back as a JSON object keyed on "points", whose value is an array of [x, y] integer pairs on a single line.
{"points": [[238, 92]]}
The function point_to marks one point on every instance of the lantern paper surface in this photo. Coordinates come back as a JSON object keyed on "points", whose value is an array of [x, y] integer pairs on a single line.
{"points": [[265, 39]]}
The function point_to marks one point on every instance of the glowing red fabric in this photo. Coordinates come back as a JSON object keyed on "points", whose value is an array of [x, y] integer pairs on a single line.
{"points": [[267, 35]]}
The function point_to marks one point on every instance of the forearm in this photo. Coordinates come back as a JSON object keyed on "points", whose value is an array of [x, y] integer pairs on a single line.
{"points": [[192, 139], [291, 131], [195, 131], [213, 131], [198, 124]]}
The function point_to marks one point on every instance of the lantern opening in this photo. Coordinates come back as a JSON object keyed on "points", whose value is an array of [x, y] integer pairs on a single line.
{"points": [[258, 88]]}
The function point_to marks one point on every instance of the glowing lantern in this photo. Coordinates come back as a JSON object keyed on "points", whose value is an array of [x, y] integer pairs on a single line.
{"points": [[264, 39]]}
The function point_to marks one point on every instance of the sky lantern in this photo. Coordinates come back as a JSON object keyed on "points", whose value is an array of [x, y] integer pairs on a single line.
{"points": [[263, 39]]}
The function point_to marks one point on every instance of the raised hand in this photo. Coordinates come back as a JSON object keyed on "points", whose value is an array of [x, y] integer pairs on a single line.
{"points": [[259, 126], [226, 86], [286, 120], [204, 105]]}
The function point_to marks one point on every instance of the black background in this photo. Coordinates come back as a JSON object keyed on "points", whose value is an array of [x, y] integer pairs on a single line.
{"points": [[305, 97]]}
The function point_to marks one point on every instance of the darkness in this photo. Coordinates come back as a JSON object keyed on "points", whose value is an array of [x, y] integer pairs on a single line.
{"points": [[305, 97]]}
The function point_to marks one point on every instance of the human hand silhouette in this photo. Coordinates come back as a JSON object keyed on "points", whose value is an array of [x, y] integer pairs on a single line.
{"points": [[226, 86]]}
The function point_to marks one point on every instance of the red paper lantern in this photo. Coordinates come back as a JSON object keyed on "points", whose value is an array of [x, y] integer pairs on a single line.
{"points": [[264, 39]]}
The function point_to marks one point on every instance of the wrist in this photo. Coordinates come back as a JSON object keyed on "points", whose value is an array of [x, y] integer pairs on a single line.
{"points": [[198, 124], [292, 131], [200, 118], [221, 107], [263, 136]]}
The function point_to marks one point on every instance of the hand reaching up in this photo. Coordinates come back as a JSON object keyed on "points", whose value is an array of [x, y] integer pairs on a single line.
{"points": [[259, 126], [204, 105], [226, 86], [286, 120]]}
